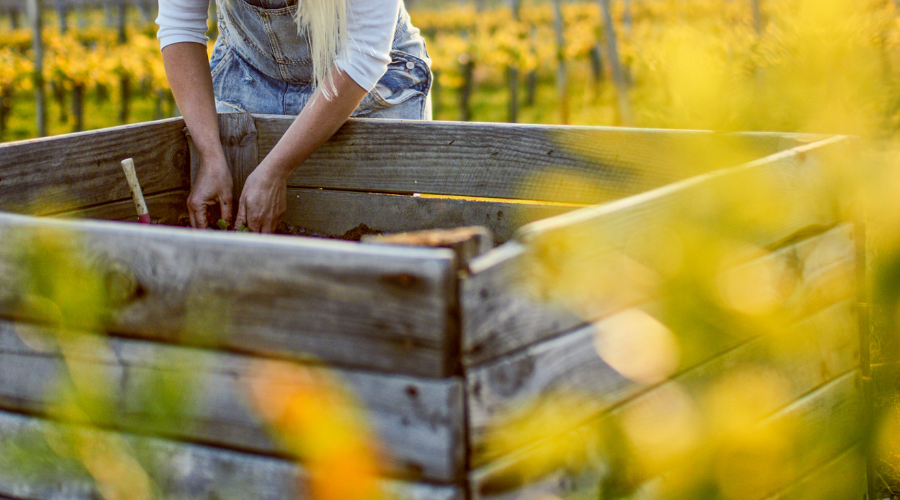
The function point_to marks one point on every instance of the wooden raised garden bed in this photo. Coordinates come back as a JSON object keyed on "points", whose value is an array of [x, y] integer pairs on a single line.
{"points": [[442, 341]]}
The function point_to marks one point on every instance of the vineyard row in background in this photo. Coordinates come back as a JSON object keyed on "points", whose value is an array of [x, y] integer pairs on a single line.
{"points": [[619, 51]]}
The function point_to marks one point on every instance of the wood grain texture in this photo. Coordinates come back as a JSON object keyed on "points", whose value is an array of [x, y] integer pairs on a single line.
{"points": [[169, 209], [349, 213], [504, 295], [774, 142], [466, 242], [55, 174], [372, 306], [596, 260], [843, 477], [817, 428], [826, 422], [570, 373], [418, 422], [535, 162], [31, 469]]}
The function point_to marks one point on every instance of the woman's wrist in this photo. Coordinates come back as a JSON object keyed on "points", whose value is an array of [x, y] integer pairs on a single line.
{"points": [[275, 171]]}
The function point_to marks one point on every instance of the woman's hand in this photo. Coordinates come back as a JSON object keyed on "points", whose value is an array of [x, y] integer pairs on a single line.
{"points": [[212, 187], [263, 201], [187, 67]]}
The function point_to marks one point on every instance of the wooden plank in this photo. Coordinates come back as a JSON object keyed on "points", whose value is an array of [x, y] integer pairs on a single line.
{"points": [[371, 306], [168, 209], [55, 174], [507, 394], [501, 295], [34, 465], [826, 422], [533, 162], [418, 422], [500, 312], [348, 213], [466, 242], [774, 142], [807, 436], [593, 261], [816, 428], [843, 477]]}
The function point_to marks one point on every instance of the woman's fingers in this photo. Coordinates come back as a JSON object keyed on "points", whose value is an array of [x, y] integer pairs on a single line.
{"points": [[263, 203], [241, 219], [211, 189], [225, 208], [197, 212]]}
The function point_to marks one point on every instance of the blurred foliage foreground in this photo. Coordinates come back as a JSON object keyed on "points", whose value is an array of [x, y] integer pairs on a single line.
{"points": [[819, 72]]}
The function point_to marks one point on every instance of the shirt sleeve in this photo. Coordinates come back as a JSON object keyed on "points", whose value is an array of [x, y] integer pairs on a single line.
{"points": [[182, 21], [370, 34]]}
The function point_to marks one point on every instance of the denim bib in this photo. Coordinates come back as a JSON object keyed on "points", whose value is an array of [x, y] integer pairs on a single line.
{"points": [[261, 64]]}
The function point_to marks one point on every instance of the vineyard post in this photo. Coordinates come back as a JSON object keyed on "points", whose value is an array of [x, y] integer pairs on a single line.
{"points": [[513, 72], [81, 16], [561, 80], [34, 17], [597, 68], [468, 74], [613, 56], [531, 79], [108, 10], [5, 106], [14, 18], [121, 10], [627, 18], [125, 79], [78, 106], [465, 93], [63, 8], [146, 11]]}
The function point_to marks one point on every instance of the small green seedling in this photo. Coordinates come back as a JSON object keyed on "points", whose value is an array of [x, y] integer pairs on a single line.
{"points": [[221, 224]]}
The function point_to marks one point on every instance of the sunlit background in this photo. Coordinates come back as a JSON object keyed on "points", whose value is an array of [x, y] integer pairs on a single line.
{"points": [[805, 66]]}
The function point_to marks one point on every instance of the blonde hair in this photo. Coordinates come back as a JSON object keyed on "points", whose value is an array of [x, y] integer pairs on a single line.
{"points": [[325, 23]]}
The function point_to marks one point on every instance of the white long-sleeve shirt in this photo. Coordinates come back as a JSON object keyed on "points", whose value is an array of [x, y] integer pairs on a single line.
{"points": [[370, 32]]}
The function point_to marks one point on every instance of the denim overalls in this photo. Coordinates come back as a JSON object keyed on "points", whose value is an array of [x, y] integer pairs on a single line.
{"points": [[262, 65]]}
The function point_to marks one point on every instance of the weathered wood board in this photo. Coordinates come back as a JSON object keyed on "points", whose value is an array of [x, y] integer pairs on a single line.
{"points": [[843, 477], [522, 288], [347, 214], [379, 307], [168, 209], [532, 162], [475, 366], [53, 175], [507, 394], [820, 426], [418, 422], [172, 469]]}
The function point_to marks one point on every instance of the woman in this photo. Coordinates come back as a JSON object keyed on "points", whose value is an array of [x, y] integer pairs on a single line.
{"points": [[322, 60]]}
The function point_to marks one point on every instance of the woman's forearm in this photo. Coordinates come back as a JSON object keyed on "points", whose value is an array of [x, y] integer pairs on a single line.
{"points": [[263, 200], [318, 121], [187, 69]]}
